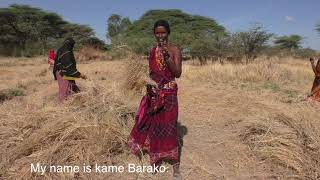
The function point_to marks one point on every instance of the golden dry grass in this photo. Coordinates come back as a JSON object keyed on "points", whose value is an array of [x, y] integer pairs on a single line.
{"points": [[283, 130], [91, 128], [279, 126], [87, 54]]}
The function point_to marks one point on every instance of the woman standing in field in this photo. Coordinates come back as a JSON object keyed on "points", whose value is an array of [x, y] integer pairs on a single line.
{"points": [[65, 70], [155, 130]]}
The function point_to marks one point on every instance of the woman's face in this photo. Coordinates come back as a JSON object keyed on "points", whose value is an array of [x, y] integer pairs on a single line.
{"points": [[161, 34]]}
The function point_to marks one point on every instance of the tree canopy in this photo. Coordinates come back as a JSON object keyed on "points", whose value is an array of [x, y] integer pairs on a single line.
{"points": [[186, 28], [291, 42], [117, 26], [249, 43], [199, 36], [27, 31]]}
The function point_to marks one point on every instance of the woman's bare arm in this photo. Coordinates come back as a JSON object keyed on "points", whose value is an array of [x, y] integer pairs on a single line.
{"points": [[174, 63]]}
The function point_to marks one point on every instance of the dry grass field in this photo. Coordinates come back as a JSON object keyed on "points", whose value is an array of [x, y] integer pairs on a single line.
{"points": [[236, 121]]}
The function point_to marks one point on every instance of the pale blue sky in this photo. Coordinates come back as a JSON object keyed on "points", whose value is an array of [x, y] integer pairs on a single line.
{"points": [[281, 17]]}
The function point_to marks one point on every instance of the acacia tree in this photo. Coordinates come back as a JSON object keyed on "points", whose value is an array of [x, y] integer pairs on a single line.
{"points": [[19, 22], [250, 43], [117, 26], [220, 46], [26, 30], [202, 49], [291, 43], [49, 26], [186, 30], [8, 36]]}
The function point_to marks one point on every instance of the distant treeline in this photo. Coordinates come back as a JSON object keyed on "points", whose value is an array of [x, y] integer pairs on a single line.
{"points": [[203, 37], [29, 31]]}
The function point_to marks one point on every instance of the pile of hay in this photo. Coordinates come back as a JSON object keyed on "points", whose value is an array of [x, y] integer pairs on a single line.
{"points": [[136, 73], [91, 128], [289, 142]]}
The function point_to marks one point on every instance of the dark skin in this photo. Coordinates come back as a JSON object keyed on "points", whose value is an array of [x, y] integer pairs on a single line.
{"points": [[171, 52]]}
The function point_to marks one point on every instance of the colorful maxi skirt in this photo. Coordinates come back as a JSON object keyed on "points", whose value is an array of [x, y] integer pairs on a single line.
{"points": [[66, 87], [155, 131]]}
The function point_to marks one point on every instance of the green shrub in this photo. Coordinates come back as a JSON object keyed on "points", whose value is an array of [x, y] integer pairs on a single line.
{"points": [[16, 92]]}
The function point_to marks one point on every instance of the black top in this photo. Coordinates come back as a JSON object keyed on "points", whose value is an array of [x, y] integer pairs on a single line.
{"points": [[65, 61]]}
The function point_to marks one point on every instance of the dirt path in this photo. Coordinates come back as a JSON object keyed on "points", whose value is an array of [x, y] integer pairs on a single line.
{"points": [[212, 148]]}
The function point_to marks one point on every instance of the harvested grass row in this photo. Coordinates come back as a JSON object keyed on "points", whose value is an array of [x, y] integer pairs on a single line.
{"points": [[91, 128], [288, 139], [284, 136]]}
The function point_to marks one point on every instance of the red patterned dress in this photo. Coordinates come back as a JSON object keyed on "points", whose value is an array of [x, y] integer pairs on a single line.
{"points": [[155, 130]]}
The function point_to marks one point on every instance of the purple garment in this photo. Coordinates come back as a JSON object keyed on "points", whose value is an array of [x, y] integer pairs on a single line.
{"points": [[66, 87]]}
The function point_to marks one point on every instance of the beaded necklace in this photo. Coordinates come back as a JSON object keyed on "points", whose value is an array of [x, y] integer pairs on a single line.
{"points": [[160, 59]]}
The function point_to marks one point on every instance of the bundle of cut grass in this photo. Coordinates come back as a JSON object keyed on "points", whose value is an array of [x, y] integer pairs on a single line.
{"points": [[136, 74]]}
